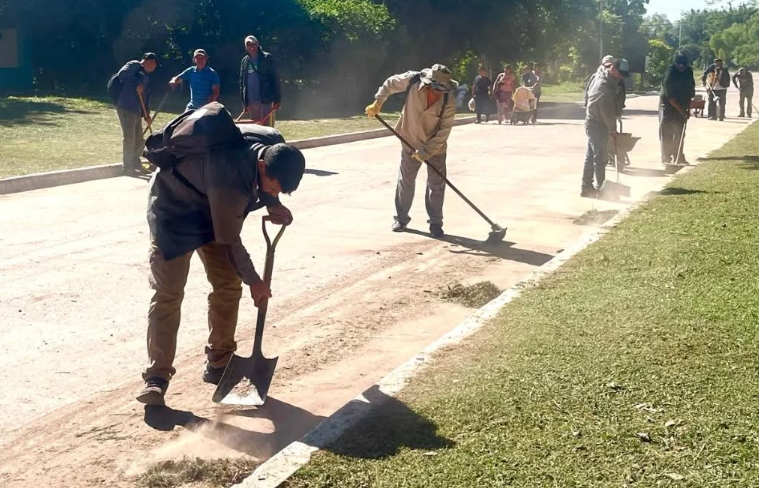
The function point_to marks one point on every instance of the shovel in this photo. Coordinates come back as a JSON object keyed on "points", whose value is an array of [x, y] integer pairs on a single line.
{"points": [[258, 369], [497, 232], [613, 190]]}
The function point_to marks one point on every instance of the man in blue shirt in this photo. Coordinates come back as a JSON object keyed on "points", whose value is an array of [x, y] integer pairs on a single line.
{"points": [[134, 83], [203, 80]]}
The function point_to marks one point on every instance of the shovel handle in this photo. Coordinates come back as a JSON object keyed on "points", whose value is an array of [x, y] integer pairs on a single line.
{"points": [[271, 245]]}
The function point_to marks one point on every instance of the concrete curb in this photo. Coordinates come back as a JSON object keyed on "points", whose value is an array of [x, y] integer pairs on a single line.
{"points": [[277, 469], [68, 176], [56, 178]]}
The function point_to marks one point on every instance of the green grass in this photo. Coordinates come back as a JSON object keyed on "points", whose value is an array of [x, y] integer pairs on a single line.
{"points": [[570, 91], [53, 133], [635, 365]]}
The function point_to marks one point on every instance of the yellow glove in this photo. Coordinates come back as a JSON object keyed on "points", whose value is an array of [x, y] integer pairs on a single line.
{"points": [[417, 156], [373, 109]]}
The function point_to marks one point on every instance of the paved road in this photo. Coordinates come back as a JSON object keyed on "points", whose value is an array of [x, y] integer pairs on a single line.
{"points": [[352, 300]]}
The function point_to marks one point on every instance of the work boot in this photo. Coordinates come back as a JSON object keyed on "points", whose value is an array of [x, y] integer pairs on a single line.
{"points": [[741, 114], [154, 391], [399, 226], [589, 192], [213, 375], [436, 230]]}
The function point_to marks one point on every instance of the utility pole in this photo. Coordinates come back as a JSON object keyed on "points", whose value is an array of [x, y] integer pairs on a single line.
{"points": [[601, 29], [680, 36]]}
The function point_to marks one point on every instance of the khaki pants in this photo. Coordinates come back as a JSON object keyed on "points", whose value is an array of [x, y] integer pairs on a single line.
{"points": [[133, 143], [433, 196], [168, 279], [259, 111]]}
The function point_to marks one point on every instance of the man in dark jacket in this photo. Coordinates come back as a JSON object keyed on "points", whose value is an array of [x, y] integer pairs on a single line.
{"points": [[716, 80], [744, 81], [200, 205], [134, 84], [677, 90], [259, 83]]}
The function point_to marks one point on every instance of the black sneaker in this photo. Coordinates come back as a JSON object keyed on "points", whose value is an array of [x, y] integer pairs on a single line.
{"points": [[436, 230], [213, 375], [589, 193], [399, 226], [154, 391]]}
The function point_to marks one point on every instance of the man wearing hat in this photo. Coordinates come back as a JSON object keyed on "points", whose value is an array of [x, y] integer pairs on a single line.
{"points": [[744, 81], [600, 123], [134, 84], [716, 80], [203, 80], [677, 90], [259, 83], [426, 122]]}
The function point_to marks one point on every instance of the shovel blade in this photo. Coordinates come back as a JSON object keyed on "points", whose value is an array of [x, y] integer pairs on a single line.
{"points": [[497, 235], [245, 381]]}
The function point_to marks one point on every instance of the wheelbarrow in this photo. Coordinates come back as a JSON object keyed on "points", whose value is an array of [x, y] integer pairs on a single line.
{"points": [[259, 370], [697, 106], [619, 149]]}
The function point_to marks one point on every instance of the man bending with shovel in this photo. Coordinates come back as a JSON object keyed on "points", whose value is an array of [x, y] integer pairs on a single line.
{"points": [[426, 122], [199, 205]]}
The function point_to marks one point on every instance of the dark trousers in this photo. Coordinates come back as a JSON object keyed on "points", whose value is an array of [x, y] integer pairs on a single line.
{"points": [[715, 97], [597, 154], [747, 99], [671, 125], [482, 106]]}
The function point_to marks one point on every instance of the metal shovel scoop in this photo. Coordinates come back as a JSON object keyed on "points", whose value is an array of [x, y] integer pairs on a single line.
{"points": [[614, 190], [259, 370]]}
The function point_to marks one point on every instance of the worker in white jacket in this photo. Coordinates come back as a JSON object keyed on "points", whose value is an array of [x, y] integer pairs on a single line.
{"points": [[426, 122]]}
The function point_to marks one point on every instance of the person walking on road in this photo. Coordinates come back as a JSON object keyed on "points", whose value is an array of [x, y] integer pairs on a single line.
{"points": [[203, 80], [426, 122], [135, 83], [716, 79], [259, 83], [503, 89], [600, 123], [481, 93], [537, 89], [200, 206], [677, 90], [744, 81]]}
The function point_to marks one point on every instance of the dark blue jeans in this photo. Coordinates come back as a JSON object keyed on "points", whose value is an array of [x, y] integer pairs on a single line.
{"points": [[597, 155]]}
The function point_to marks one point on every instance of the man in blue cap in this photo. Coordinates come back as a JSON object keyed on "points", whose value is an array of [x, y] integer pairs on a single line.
{"points": [[677, 90]]}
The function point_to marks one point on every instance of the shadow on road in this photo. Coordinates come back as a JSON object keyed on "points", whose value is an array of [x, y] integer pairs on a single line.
{"points": [[319, 172], [388, 426], [645, 172], [676, 191], [502, 250], [290, 423]]}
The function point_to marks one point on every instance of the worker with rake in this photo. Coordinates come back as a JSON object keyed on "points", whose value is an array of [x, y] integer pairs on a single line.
{"points": [[677, 91], [426, 122]]}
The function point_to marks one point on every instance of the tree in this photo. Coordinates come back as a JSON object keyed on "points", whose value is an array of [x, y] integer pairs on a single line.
{"points": [[659, 58]]}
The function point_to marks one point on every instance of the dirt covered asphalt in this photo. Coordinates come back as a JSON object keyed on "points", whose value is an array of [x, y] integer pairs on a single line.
{"points": [[352, 300]]}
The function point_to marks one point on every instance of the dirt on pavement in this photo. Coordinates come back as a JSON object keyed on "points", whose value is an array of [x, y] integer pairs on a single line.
{"points": [[352, 300]]}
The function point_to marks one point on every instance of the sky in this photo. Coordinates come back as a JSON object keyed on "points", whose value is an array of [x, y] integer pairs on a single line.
{"points": [[672, 8]]}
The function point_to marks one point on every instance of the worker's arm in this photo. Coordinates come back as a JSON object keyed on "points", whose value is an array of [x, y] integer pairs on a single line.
{"points": [[394, 84], [735, 80], [178, 79], [607, 104], [436, 143], [214, 93]]}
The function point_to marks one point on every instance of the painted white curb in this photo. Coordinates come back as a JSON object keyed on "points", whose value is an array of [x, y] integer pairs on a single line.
{"points": [[277, 469]]}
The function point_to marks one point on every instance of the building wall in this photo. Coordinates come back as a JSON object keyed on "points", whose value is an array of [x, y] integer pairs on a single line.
{"points": [[15, 71]]}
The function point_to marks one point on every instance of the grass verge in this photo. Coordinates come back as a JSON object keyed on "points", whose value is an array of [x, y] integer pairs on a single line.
{"points": [[569, 91], [635, 365], [54, 133]]}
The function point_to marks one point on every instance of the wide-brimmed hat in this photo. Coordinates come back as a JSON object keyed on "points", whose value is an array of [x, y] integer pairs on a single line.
{"points": [[439, 78]]}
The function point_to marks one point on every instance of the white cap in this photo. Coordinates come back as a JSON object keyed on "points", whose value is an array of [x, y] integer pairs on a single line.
{"points": [[251, 39], [608, 60]]}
